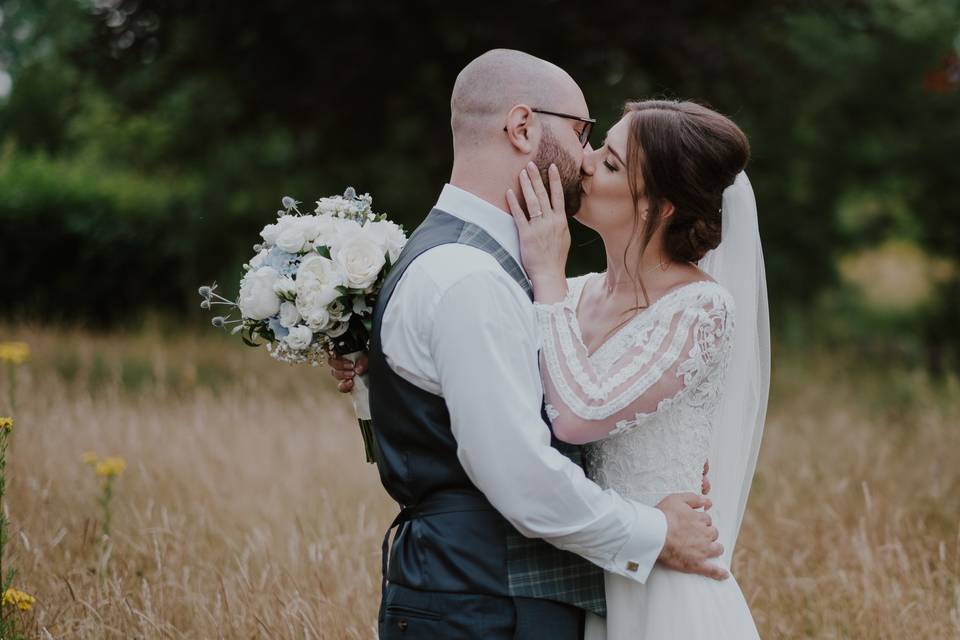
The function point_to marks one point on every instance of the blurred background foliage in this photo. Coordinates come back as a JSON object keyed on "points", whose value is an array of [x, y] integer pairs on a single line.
{"points": [[143, 143]]}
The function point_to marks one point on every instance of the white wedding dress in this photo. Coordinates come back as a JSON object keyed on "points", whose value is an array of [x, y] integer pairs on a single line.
{"points": [[656, 386]]}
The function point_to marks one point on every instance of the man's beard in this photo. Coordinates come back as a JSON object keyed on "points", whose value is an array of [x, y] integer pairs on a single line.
{"points": [[570, 177]]}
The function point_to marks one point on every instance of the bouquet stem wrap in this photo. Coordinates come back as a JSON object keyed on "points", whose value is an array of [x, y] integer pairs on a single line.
{"points": [[361, 405]]}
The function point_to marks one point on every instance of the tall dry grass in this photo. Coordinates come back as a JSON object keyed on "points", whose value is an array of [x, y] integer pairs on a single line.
{"points": [[246, 510]]}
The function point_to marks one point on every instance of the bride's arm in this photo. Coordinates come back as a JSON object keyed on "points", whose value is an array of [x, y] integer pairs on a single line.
{"points": [[584, 405], [674, 350]]}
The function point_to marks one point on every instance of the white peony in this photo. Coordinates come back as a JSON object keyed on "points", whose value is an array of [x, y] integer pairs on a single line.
{"points": [[315, 271], [286, 221], [314, 226], [344, 230], [317, 282], [258, 259], [289, 316], [360, 258], [299, 337], [325, 230], [257, 299], [389, 236]]}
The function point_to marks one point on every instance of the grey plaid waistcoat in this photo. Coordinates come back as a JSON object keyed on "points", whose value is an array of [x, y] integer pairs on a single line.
{"points": [[449, 538]]}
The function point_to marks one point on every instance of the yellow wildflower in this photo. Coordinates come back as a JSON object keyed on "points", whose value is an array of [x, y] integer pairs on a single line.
{"points": [[14, 352], [89, 457], [111, 467], [6, 423], [18, 599]]}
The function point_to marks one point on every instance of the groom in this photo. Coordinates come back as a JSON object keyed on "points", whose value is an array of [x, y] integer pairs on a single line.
{"points": [[500, 535]]}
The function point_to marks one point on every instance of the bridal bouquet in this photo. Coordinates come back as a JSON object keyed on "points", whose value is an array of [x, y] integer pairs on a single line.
{"points": [[310, 288]]}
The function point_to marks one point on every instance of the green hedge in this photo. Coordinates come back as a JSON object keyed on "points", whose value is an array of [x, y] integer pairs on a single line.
{"points": [[83, 242]]}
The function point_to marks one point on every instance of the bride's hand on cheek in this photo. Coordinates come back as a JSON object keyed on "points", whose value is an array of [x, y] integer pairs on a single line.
{"points": [[545, 236]]}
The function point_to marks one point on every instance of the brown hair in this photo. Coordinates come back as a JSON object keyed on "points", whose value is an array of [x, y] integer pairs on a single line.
{"points": [[686, 154]]}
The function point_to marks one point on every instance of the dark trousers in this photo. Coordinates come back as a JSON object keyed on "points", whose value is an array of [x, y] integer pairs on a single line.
{"points": [[425, 615]]}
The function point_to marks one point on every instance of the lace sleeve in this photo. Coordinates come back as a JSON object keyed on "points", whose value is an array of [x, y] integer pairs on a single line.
{"points": [[671, 347]]}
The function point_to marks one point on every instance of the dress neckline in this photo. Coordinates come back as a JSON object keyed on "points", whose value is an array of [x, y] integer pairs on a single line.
{"points": [[578, 296]]}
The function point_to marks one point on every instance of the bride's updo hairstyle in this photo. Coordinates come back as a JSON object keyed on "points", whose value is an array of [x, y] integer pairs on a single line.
{"points": [[687, 155]]}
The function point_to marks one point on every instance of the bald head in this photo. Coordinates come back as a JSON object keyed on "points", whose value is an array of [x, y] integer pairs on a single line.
{"points": [[492, 84]]}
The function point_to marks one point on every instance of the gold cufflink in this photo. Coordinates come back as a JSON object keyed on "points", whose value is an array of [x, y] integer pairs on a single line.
{"points": [[632, 566]]}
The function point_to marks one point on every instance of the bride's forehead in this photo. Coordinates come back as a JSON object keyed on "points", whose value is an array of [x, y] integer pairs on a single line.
{"points": [[617, 134]]}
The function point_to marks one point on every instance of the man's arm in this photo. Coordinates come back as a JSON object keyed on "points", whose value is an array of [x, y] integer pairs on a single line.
{"points": [[484, 344]]}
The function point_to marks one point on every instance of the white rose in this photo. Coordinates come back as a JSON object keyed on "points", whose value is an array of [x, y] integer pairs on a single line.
{"points": [[257, 299], [317, 317], [291, 238], [360, 258], [389, 236], [338, 311], [299, 337], [317, 282], [270, 233], [285, 287], [289, 316]]}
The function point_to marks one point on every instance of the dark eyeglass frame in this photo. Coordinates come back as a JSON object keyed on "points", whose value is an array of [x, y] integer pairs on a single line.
{"points": [[587, 122]]}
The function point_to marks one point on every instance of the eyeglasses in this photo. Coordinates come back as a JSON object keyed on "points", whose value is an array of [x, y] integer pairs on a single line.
{"points": [[587, 123]]}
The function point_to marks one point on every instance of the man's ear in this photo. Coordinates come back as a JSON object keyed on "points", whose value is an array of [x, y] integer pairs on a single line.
{"points": [[520, 128]]}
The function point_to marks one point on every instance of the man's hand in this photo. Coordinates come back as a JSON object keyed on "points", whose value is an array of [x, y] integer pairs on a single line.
{"points": [[691, 536], [344, 370]]}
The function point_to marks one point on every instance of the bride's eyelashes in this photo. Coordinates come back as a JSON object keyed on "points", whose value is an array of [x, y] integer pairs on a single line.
{"points": [[609, 165]]}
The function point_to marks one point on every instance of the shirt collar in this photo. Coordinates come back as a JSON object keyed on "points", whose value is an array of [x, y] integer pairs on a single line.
{"points": [[470, 208]]}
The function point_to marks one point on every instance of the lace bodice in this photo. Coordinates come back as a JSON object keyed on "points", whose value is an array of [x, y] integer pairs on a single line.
{"points": [[644, 400]]}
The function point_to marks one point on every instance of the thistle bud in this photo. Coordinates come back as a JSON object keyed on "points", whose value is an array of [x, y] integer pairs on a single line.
{"points": [[218, 321], [289, 203], [350, 194]]}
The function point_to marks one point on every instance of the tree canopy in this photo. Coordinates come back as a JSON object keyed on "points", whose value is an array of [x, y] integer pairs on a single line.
{"points": [[145, 142]]}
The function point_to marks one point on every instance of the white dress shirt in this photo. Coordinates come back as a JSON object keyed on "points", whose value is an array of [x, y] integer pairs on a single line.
{"points": [[460, 327]]}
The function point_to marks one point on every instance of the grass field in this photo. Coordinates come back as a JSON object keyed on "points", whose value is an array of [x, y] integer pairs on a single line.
{"points": [[246, 510]]}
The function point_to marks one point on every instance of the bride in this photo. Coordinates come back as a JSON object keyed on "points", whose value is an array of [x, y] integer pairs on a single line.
{"points": [[661, 362]]}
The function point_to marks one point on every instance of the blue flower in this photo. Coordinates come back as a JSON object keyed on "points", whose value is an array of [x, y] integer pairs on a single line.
{"points": [[279, 331], [284, 262]]}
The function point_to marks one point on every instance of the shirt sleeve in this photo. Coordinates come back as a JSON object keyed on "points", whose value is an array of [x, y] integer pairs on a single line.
{"points": [[670, 353], [484, 342]]}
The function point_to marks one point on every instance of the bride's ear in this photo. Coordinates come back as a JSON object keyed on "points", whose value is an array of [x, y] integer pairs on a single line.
{"points": [[519, 128], [666, 210]]}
